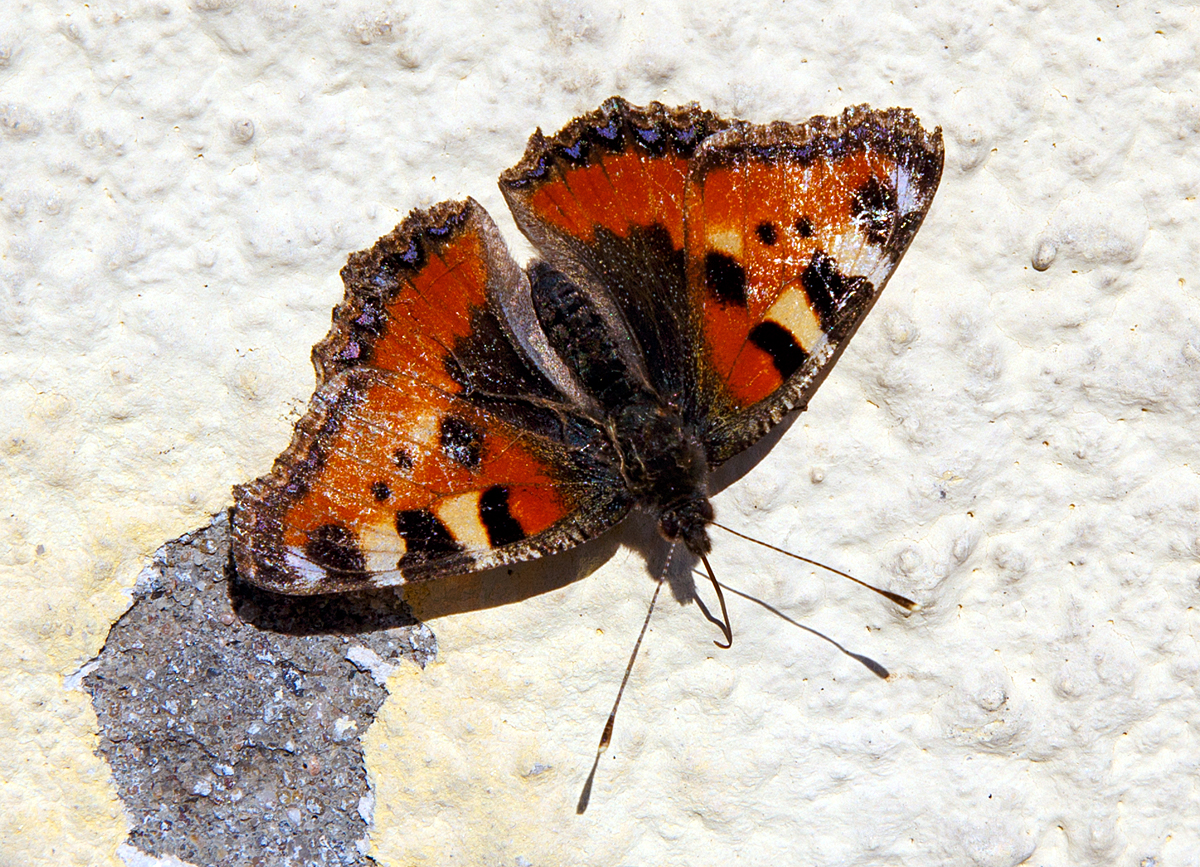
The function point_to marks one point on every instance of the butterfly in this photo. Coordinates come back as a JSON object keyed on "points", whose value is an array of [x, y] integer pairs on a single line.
{"points": [[696, 280]]}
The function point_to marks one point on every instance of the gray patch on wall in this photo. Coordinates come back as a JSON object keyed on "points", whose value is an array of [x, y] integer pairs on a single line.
{"points": [[231, 718]]}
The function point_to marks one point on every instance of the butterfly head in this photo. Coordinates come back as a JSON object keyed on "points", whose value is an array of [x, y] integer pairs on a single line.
{"points": [[686, 520]]}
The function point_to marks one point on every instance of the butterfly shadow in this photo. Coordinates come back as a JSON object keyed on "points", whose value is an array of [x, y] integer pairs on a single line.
{"points": [[328, 614], [738, 466]]}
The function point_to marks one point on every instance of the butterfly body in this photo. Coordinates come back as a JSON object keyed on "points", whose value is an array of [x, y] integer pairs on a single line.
{"points": [[657, 454], [697, 279]]}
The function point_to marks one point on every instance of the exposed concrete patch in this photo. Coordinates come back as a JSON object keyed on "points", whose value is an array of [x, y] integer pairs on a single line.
{"points": [[231, 718]]}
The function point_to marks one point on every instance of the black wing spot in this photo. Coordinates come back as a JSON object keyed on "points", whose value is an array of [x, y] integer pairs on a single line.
{"points": [[804, 227], [334, 549], [767, 234], [874, 209], [725, 278], [380, 491], [827, 288], [502, 527], [775, 340], [403, 459], [425, 537], [461, 443]]}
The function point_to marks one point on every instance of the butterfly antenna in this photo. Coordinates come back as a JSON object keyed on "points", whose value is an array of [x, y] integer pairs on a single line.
{"points": [[606, 737], [725, 627], [903, 601]]}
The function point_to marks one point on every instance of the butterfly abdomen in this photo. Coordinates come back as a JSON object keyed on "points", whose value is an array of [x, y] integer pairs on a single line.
{"points": [[658, 454]]}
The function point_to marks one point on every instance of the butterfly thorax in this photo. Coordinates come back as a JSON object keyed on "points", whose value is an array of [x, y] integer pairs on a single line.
{"points": [[660, 456], [665, 467]]}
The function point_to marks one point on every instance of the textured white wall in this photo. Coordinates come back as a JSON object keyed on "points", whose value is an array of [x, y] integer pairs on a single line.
{"points": [[179, 185]]}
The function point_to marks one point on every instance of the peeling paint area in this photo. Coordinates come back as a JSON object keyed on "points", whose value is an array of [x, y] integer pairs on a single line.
{"points": [[231, 718]]}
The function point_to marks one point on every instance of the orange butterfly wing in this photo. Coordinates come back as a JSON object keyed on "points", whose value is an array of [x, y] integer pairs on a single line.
{"points": [[402, 469], [792, 233], [741, 257]]}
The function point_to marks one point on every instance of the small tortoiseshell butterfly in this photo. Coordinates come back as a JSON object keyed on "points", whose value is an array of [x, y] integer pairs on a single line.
{"points": [[698, 278]]}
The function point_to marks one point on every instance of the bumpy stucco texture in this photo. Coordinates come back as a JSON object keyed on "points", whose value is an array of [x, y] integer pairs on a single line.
{"points": [[1010, 439]]}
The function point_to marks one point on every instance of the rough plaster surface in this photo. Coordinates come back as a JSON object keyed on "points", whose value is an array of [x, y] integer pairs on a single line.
{"points": [[1010, 439]]}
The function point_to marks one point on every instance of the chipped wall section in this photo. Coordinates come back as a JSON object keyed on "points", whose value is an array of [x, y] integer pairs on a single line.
{"points": [[231, 719]]}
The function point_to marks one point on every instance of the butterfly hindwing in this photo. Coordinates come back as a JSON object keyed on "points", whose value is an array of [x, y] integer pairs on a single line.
{"points": [[602, 200], [791, 233], [432, 446]]}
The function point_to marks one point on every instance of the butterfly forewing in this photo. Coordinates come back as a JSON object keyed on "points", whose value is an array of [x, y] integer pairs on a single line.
{"points": [[791, 233]]}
